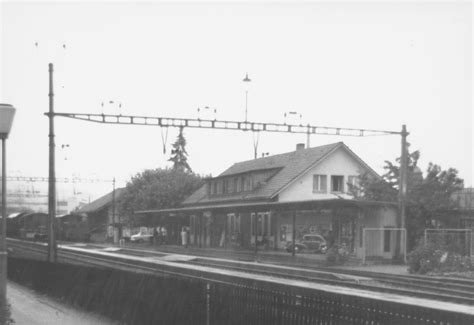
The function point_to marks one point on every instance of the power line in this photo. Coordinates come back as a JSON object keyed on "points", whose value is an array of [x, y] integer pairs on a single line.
{"points": [[61, 180]]}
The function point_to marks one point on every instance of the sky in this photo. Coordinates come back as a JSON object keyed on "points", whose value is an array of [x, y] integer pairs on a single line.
{"points": [[375, 65]]}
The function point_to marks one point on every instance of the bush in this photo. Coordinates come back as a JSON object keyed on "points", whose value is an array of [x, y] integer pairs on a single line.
{"points": [[435, 258]]}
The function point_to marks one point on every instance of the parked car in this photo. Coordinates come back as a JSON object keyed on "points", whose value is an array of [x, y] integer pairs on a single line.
{"points": [[311, 243], [141, 237]]}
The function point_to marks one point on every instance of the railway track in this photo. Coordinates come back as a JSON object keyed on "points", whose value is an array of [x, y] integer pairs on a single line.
{"points": [[439, 288], [453, 290]]}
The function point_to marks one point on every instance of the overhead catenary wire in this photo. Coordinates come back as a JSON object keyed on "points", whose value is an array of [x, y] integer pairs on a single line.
{"points": [[224, 124]]}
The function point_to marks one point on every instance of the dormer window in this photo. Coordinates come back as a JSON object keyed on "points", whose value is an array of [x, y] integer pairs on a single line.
{"points": [[229, 186], [225, 186], [238, 184], [246, 183], [214, 187], [337, 183]]}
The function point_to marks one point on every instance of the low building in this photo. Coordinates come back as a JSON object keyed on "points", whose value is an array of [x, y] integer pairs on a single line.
{"points": [[274, 200], [103, 218]]}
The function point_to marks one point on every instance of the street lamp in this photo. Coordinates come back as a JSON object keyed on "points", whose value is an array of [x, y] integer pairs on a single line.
{"points": [[7, 112], [246, 80]]}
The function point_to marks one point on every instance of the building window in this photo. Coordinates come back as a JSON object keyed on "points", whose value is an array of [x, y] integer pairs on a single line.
{"points": [[337, 183], [386, 240], [266, 224], [192, 225], [353, 180], [259, 225], [320, 183], [353, 184], [252, 224]]}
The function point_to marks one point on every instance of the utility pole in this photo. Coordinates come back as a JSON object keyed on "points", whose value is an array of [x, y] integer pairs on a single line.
{"points": [[402, 189], [403, 176], [52, 252]]}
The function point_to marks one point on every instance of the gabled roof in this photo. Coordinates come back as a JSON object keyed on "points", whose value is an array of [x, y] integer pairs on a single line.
{"points": [[101, 202], [289, 167]]}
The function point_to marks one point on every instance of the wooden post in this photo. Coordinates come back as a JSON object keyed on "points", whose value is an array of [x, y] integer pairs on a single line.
{"points": [[225, 230], [200, 230], [363, 246], [256, 234], [403, 177], [293, 239]]}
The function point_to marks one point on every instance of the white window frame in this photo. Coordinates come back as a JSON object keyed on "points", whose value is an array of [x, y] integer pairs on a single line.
{"points": [[354, 181], [317, 188], [342, 184]]}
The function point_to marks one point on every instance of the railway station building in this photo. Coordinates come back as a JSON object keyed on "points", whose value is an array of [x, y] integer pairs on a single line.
{"points": [[270, 200], [103, 217]]}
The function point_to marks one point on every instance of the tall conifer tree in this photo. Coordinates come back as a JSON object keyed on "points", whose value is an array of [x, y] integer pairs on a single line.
{"points": [[179, 154]]}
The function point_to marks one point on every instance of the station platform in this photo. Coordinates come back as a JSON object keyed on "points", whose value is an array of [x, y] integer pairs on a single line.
{"points": [[234, 253], [272, 257]]}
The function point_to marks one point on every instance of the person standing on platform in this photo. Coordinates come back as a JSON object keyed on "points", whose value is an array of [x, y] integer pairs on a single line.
{"points": [[164, 235], [160, 237], [184, 237], [155, 236]]}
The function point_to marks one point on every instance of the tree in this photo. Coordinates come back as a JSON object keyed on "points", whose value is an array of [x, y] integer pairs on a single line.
{"points": [[179, 154], [158, 189], [428, 197]]}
